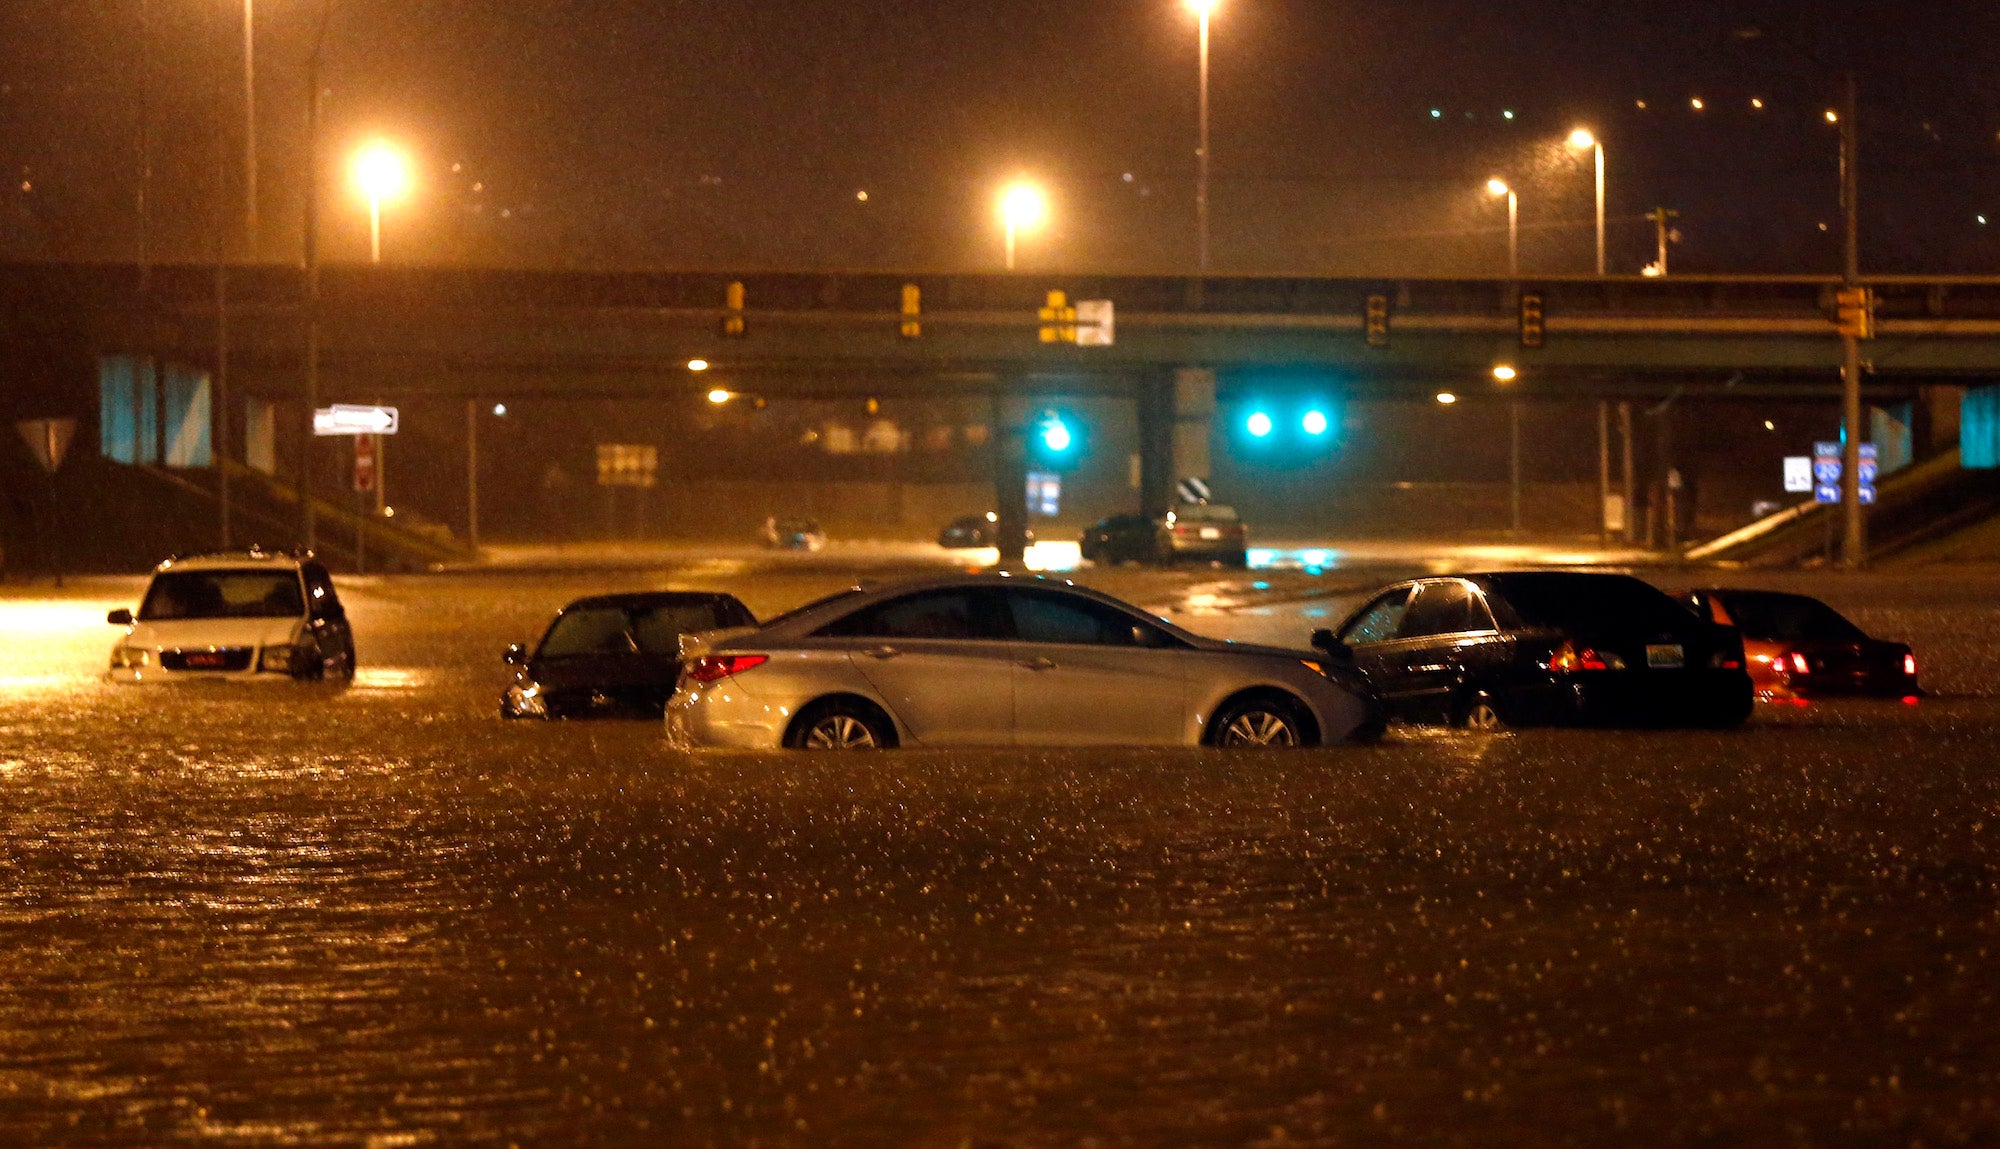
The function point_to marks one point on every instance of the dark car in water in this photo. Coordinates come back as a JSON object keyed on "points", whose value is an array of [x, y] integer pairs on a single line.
{"points": [[975, 531], [616, 654], [1796, 646], [1544, 647], [1207, 532]]}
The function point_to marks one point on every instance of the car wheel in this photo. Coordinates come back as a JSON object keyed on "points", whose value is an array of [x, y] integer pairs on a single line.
{"points": [[840, 726], [1481, 713], [1267, 720]]}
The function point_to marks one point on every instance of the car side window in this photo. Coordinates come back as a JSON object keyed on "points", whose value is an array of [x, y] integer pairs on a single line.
{"points": [[1060, 618], [1447, 607], [938, 614], [1380, 621], [321, 600]]}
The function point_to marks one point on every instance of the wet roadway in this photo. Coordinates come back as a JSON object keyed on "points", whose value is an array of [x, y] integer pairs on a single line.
{"points": [[382, 917]]}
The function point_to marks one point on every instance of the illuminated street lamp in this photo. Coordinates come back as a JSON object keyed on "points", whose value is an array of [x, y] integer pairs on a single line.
{"points": [[1202, 10], [1505, 373], [382, 172], [1023, 207], [1582, 139], [1499, 187]]}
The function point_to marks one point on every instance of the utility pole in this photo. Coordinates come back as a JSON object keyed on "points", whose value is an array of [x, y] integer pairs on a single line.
{"points": [[1660, 216], [1854, 544], [311, 254]]}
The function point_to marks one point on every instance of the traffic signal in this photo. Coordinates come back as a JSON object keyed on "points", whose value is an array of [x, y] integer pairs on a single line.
{"points": [[1058, 319], [1315, 423], [1054, 439], [1856, 312], [913, 310], [1533, 332], [1376, 320], [1259, 425], [733, 323]]}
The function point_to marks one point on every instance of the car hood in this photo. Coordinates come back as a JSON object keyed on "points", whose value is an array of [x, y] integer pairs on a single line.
{"points": [[170, 634]]}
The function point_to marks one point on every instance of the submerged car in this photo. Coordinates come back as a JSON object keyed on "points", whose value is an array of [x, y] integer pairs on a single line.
{"points": [[1796, 646], [1206, 532], [1542, 647], [992, 660], [235, 615], [615, 654], [794, 534], [974, 531]]}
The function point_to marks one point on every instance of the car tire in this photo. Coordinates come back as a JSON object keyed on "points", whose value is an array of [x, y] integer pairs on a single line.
{"points": [[1480, 713], [1262, 721], [841, 724]]}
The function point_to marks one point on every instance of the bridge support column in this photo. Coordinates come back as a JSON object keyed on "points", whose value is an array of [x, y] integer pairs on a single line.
{"points": [[1176, 419], [1010, 477]]}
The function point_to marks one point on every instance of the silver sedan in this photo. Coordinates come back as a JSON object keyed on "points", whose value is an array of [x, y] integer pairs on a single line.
{"points": [[993, 660]]}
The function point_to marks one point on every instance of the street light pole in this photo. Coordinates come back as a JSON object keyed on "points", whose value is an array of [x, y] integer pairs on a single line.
{"points": [[1854, 542], [1202, 9], [1498, 187], [1585, 138], [311, 253], [250, 127]]}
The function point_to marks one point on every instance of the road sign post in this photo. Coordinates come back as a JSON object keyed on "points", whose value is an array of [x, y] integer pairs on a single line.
{"points": [[48, 441]]}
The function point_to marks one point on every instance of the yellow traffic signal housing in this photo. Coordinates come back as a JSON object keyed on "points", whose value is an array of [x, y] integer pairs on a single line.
{"points": [[1376, 321], [733, 323], [1058, 319], [1855, 307], [913, 310], [1533, 329]]}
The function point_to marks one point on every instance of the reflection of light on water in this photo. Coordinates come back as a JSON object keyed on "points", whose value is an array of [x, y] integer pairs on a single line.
{"points": [[389, 678], [1053, 557]]}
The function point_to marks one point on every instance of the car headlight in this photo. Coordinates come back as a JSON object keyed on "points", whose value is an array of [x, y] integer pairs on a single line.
{"points": [[276, 659], [528, 700], [130, 658]]}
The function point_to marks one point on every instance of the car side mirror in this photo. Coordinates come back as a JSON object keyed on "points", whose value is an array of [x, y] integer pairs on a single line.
{"points": [[119, 617], [1329, 644], [515, 655]]}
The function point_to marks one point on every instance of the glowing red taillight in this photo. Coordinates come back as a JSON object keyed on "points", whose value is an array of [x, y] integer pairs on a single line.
{"points": [[1568, 659], [1799, 663], [1910, 665], [715, 667]]}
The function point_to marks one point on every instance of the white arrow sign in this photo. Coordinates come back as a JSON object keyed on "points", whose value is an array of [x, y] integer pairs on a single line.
{"points": [[353, 419]]}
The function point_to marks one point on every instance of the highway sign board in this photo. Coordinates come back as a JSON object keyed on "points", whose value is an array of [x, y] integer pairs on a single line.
{"points": [[354, 419], [1096, 323], [1798, 474]]}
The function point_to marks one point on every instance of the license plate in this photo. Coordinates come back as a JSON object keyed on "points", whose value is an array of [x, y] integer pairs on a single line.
{"points": [[1211, 532], [1666, 656], [205, 661]]}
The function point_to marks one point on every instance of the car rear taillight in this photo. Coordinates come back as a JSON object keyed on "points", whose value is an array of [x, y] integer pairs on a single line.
{"points": [[1909, 665], [1568, 659], [1799, 663], [715, 667]]}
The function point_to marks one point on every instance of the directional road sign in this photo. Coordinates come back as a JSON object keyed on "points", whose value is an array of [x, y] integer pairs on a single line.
{"points": [[353, 419]]}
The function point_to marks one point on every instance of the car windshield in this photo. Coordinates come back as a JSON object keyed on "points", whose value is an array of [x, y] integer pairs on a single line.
{"points": [[1788, 617], [610, 629], [223, 594], [1592, 603]]}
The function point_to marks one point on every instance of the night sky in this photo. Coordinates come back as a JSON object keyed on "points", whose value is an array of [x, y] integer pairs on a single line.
{"points": [[700, 133]]}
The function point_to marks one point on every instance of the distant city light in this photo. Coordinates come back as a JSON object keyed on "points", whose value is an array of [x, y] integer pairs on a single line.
{"points": [[1832, 117], [1315, 423], [1505, 373], [500, 410], [861, 195], [1981, 219], [381, 171], [1770, 425], [1437, 113], [697, 364], [1259, 424], [1201, 7], [1697, 104], [1497, 186], [1507, 114], [1582, 138], [1446, 398], [1757, 103], [720, 396]]}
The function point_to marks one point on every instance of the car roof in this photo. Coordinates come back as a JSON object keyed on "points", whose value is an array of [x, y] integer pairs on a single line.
{"points": [[252, 559], [627, 600], [841, 605]]}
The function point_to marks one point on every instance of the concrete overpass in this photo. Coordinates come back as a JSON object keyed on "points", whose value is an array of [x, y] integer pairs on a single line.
{"points": [[1182, 345]]}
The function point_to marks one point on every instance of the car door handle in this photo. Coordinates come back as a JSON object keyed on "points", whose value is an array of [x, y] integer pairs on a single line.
{"points": [[882, 652], [1038, 664]]}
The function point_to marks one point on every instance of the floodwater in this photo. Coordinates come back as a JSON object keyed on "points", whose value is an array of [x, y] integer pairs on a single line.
{"points": [[383, 917]]}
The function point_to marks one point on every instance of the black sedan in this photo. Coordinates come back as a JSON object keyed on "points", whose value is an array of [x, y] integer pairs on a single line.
{"points": [[1799, 647], [1530, 648], [617, 654], [974, 531]]}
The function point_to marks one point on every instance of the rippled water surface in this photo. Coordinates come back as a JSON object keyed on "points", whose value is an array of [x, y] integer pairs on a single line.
{"points": [[383, 917]]}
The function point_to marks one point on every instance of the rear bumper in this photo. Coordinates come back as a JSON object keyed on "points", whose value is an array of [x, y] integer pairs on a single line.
{"points": [[722, 715]]}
